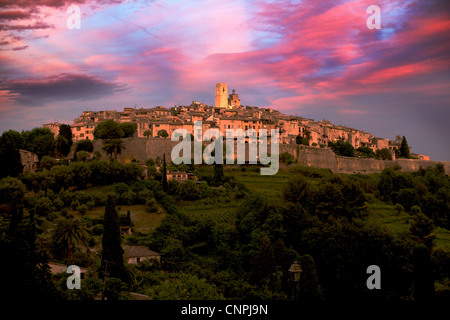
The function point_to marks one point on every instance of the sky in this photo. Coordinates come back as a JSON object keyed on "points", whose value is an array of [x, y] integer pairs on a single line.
{"points": [[316, 59]]}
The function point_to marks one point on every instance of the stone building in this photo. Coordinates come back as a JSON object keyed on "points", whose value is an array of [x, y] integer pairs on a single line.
{"points": [[221, 95], [228, 113], [136, 254]]}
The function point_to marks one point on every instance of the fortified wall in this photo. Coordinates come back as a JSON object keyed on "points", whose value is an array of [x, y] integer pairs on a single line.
{"points": [[141, 149]]}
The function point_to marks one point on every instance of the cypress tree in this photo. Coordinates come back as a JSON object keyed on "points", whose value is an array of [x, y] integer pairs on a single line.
{"points": [[112, 264], [66, 132], [309, 282], [404, 148], [218, 173], [165, 186], [10, 160]]}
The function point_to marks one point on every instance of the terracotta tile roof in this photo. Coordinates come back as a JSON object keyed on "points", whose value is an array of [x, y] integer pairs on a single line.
{"points": [[138, 251]]}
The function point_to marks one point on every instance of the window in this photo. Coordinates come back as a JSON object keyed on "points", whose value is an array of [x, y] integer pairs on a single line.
{"points": [[78, 128], [138, 260]]}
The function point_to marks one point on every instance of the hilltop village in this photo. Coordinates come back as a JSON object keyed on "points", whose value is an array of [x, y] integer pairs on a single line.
{"points": [[228, 113]]}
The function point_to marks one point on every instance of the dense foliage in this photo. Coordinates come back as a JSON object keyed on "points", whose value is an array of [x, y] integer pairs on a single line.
{"points": [[322, 220]]}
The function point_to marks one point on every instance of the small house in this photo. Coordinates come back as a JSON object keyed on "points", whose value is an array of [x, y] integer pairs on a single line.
{"points": [[56, 268], [136, 254]]}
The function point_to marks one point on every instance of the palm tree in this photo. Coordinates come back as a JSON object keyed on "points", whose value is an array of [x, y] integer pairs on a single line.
{"points": [[59, 142], [148, 134], [113, 146], [70, 231]]}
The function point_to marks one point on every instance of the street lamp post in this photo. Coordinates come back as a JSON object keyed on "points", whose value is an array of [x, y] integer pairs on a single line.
{"points": [[295, 271]]}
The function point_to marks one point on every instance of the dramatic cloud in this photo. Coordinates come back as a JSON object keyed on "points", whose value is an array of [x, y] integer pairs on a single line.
{"points": [[312, 58], [14, 15], [59, 88]]}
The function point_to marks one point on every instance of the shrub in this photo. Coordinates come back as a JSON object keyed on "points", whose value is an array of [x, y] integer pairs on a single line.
{"points": [[90, 204], [150, 205], [58, 204], [83, 197], [120, 188], [84, 145], [287, 158], [64, 212], [143, 196], [52, 216], [99, 198], [82, 156], [66, 196], [415, 210], [43, 206], [82, 209], [128, 197], [75, 204], [87, 221], [98, 229]]}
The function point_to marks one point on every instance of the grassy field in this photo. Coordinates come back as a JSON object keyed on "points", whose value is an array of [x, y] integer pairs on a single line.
{"points": [[143, 221], [386, 216], [270, 188], [199, 210]]}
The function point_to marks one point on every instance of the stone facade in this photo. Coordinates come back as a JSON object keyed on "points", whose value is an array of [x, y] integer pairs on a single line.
{"points": [[29, 161], [228, 113], [142, 149]]}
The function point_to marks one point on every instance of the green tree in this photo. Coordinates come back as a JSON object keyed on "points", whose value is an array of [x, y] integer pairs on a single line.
{"points": [[60, 143], [148, 133], [383, 154], [30, 136], [12, 192], [70, 232], [309, 282], [108, 129], [81, 174], [165, 186], [43, 206], [47, 162], [113, 147], [13, 138], [112, 265], [366, 152], [27, 274], [10, 160], [151, 205], [287, 158], [187, 287], [342, 148], [298, 190], [163, 133], [218, 174], [404, 148], [128, 129], [65, 131], [82, 156], [43, 145], [84, 145], [263, 263], [299, 139], [399, 208], [422, 230]]}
